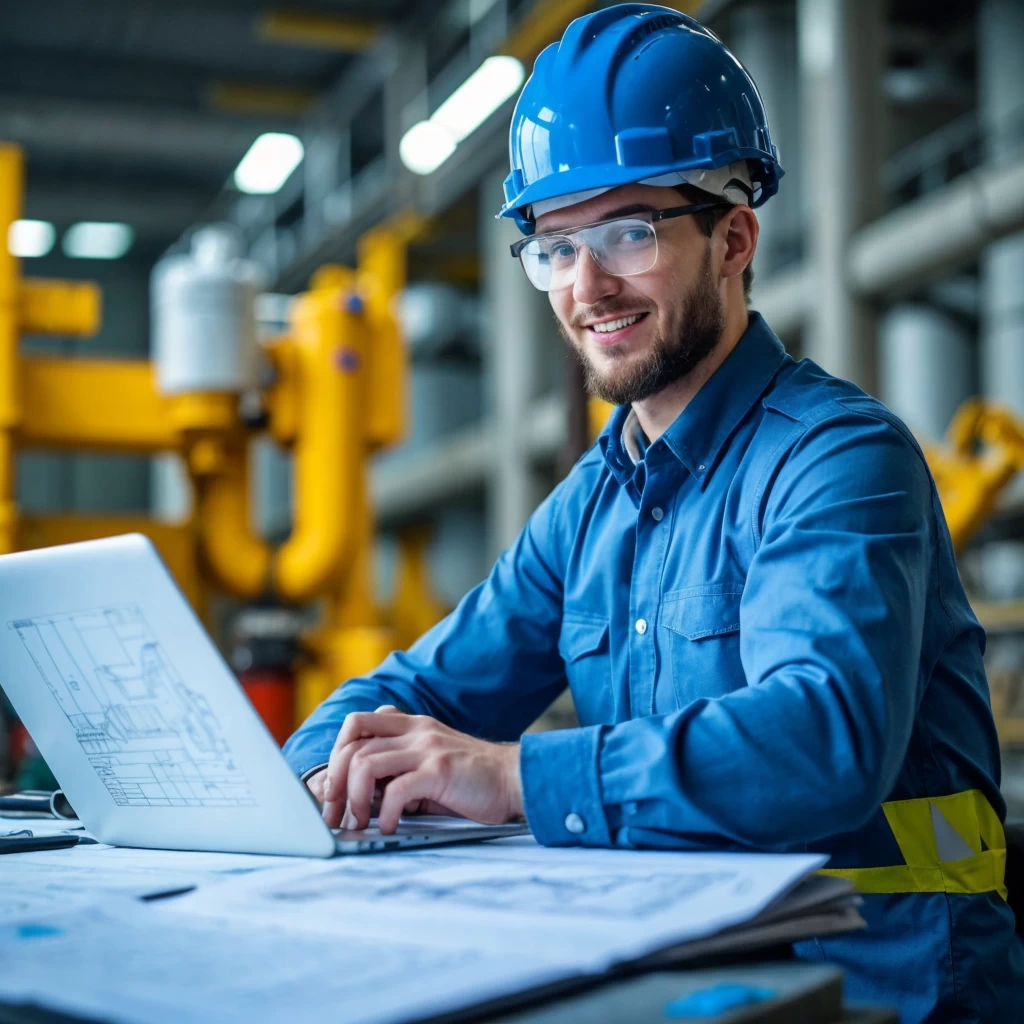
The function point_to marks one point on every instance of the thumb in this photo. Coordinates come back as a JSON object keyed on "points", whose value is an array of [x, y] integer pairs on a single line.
{"points": [[387, 708]]}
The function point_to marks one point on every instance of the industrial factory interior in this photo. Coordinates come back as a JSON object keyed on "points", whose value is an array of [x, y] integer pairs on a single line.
{"points": [[586, 439]]}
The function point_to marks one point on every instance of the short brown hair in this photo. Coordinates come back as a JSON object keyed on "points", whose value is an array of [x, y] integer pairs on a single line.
{"points": [[706, 221]]}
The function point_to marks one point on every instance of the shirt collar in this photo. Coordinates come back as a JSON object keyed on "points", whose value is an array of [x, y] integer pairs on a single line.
{"points": [[700, 431]]}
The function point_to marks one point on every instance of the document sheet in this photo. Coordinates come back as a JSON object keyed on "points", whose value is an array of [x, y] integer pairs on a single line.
{"points": [[380, 939]]}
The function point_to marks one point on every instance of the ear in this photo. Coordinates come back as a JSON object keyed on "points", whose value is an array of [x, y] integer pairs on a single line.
{"points": [[740, 229]]}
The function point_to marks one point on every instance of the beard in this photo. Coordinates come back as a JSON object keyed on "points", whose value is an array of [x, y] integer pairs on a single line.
{"points": [[695, 336]]}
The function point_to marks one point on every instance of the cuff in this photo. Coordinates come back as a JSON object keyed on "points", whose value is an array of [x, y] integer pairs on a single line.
{"points": [[310, 772], [562, 788]]}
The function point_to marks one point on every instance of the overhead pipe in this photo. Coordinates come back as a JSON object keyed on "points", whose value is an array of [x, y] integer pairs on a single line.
{"points": [[940, 233]]}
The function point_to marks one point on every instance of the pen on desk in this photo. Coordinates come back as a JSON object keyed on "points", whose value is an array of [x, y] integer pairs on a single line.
{"points": [[26, 842]]}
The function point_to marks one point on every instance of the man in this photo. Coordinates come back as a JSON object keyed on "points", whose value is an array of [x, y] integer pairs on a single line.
{"points": [[747, 582]]}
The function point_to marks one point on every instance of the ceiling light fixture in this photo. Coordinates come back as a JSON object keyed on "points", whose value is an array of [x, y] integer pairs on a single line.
{"points": [[426, 145], [30, 238], [269, 163], [97, 240]]}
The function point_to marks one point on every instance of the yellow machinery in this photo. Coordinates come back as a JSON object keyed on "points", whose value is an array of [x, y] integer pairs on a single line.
{"points": [[338, 395], [984, 451]]}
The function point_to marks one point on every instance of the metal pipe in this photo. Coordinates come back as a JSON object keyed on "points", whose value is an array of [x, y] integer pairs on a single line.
{"points": [[942, 232]]}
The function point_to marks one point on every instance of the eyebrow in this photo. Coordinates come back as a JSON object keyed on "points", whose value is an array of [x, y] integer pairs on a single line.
{"points": [[621, 211]]}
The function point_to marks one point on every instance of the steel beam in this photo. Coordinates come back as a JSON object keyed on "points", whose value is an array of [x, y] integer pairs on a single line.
{"points": [[841, 60], [124, 132]]}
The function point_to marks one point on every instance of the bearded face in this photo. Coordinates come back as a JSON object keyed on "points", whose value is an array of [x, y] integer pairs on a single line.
{"points": [[681, 336]]}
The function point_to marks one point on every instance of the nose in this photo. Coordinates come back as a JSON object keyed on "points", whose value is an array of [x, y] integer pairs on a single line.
{"points": [[592, 282]]}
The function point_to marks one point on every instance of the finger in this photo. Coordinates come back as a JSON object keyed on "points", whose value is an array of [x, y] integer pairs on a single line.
{"points": [[388, 707], [360, 724], [357, 725], [365, 772], [413, 785], [337, 774]]}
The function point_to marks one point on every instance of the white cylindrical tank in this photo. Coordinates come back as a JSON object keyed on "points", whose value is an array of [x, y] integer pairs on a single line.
{"points": [[204, 316]]}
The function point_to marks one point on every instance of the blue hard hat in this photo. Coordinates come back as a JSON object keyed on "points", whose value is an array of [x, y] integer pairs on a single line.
{"points": [[630, 93]]}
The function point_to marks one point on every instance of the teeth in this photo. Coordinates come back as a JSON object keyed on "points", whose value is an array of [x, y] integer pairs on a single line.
{"points": [[615, 325]]}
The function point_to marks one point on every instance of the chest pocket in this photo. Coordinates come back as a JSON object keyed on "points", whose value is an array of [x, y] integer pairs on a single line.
{"points": [[700, 643], [584, 646]]}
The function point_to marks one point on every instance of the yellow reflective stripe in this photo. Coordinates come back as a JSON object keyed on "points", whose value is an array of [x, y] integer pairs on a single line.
{"points": [[973, 818]]}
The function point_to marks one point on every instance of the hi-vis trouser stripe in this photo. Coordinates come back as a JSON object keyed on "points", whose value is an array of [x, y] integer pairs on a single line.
{"points": [[951, 844]]}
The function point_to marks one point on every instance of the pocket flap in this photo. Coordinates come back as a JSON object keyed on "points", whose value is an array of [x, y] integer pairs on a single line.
{"points": [[702, 611], [581, 636]]}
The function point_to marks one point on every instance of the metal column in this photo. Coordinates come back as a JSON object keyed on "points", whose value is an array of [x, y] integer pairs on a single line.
{"points": [[1001, 101], [926, 368], [517, 321], [841, 66], [764, 38]]}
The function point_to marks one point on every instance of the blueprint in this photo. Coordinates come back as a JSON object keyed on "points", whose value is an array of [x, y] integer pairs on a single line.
{"points": [[146, 964], [518, 896], [152, 740], [381, 939]]}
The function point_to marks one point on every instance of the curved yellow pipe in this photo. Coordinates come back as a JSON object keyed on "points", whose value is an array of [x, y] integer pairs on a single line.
{"points": [[233, 557], [328, 335]]}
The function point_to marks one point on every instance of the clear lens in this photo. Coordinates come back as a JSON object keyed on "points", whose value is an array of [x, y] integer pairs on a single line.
{"points": [[621, 247]]}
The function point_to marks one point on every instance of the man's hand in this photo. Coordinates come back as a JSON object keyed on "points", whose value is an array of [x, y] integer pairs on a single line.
{"points": [[415, 759]]}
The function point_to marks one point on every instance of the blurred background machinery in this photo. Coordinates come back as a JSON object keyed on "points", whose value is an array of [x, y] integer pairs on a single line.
{"points": [[320, 489]]}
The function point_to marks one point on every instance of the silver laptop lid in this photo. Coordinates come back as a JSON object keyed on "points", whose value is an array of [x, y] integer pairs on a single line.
{"points": [[130, 703]]}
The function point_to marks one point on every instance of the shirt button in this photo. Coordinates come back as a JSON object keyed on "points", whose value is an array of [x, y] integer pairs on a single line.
{"points": [[575, 824], [701, 468], [656, 514], [641, 626]]}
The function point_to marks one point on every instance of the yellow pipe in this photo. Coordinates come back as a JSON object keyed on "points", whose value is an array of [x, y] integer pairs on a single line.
{"points": [[382, 256], [68, 403], [234, 558], [318, 31], [59, 307], [329, 454], [11, 184], [174, 541]]}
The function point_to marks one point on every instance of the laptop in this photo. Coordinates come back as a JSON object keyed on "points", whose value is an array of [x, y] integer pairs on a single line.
{"points": [[148, 731]]}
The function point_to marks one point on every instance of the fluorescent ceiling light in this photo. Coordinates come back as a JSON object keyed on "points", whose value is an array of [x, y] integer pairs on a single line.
{"points": [[28, 238], [269, 163], [97, 240], [425, 146], [495, 81]]}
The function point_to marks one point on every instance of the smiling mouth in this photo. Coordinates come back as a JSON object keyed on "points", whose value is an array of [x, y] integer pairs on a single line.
{"points": [[611, 332]]}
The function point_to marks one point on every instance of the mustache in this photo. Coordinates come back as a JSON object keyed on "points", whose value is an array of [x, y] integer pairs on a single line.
{"points": [[600, 312]]}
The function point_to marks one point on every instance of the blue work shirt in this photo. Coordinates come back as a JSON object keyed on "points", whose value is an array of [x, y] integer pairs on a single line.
{"points": [[766, 638]]}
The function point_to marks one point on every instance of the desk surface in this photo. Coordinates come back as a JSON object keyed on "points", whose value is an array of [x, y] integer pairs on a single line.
{"points": [[808, 993]]}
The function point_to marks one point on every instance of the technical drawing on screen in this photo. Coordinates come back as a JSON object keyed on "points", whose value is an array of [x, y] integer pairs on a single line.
{"points": [[151, 740]]}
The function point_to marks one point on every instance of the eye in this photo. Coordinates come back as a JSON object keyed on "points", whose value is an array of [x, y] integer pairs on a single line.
{"points": [[634, 236], [562, 251]]}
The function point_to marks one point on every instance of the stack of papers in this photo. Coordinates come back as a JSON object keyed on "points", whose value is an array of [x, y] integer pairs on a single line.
{"points": [[392, 938]]}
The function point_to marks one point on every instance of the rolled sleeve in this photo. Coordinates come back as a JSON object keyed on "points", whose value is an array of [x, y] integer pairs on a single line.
{"points": [[562, 788]]}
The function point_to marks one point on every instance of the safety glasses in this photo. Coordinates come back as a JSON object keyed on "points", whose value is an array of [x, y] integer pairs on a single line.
{"points": [[621, 246]]}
